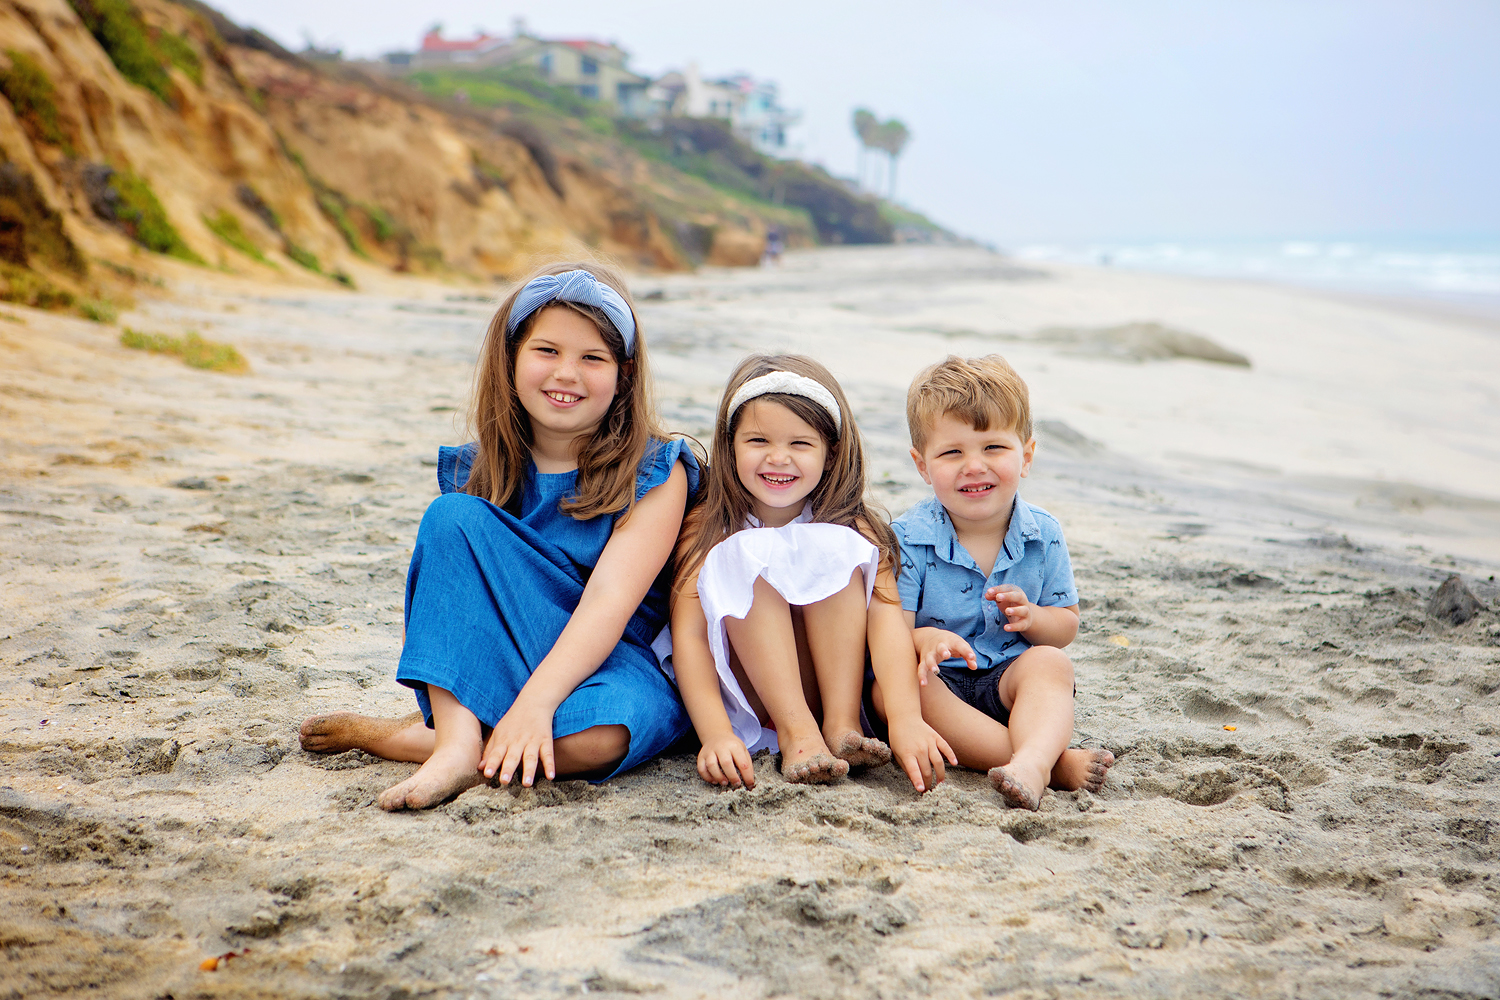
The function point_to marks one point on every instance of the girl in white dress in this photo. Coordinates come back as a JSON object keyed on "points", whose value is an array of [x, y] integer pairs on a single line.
{"points": [[784, 579]]}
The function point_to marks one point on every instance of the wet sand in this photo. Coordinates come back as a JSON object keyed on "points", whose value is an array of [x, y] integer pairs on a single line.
{"points": [[1307, 795]]}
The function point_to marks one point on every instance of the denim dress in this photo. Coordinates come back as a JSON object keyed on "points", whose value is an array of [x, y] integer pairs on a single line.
{"points": [[490, 591]]}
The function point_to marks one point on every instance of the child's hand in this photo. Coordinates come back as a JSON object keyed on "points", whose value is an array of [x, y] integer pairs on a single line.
{"points": [[1014, 605], [920, 751], [724, 761], [934, 645], [522, 737]]}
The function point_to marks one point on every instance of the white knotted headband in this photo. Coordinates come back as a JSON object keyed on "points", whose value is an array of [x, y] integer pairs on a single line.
{"points": [[789, 384]]}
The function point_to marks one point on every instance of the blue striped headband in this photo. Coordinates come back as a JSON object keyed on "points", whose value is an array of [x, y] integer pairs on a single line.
{"points": [[574, 286]]}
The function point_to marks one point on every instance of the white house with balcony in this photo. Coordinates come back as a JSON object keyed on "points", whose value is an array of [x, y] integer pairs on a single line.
{"points": [[752, 107]]}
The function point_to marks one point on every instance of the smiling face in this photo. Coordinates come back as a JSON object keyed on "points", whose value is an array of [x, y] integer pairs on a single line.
{"points": [[975, 474], [779, 459], [566, 377]]}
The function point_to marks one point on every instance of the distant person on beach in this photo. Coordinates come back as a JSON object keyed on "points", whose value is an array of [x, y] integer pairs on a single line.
{"points": [[987, 586], [774, 247], [537, 584], [772, 609]]}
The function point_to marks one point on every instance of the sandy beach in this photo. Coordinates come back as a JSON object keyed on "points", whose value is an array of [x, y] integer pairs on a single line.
{"points": [[1263, 488]]}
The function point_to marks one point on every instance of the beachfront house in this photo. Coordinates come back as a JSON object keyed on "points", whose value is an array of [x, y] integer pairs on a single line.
{"points": [[599, 71], [752, 107], [591, 69], [595, 70], [763, 122]]}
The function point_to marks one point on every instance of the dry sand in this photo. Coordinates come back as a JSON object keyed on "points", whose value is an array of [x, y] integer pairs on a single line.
{"points": [[1307, 799]]}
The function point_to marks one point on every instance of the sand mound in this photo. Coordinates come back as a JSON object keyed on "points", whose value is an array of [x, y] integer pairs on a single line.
{"points": [[1141, 342]]}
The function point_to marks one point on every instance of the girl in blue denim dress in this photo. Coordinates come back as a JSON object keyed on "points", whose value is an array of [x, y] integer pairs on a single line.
{"points": [[539, 577]]}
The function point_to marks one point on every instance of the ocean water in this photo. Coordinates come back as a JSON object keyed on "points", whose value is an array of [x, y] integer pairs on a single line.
{"points": [[1459, 270]]}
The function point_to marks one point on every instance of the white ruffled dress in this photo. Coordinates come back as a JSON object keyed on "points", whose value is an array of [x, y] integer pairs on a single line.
{"points": [[804, 561]]}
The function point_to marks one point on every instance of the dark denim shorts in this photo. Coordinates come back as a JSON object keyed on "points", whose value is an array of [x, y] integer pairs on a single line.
{"points": [[979, 688]]}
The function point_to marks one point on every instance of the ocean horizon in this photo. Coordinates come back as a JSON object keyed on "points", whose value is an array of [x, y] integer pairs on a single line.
{"points": [[1456, 270]]}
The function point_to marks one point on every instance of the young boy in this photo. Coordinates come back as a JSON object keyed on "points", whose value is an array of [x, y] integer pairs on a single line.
{"points": [[987, 586]]}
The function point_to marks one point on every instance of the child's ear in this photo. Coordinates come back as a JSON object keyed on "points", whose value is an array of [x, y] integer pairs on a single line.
{"points": [[916, 457], [1028, 452]]}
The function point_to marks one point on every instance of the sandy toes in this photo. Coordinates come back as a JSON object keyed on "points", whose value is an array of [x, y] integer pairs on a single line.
{"points": [[338, 732], [809, 762], [1014, 791], [860, 750], [1082, 768], [447, 772], [819, 769]]}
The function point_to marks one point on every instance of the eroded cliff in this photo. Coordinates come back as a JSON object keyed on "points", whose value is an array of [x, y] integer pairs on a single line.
{"points": [[135, 133]]}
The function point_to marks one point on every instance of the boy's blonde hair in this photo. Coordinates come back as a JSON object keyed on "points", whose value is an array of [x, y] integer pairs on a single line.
{"points": [[985, 391]]}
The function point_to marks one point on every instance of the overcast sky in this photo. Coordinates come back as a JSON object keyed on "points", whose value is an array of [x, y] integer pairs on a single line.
{"points": [[1077, 120]]}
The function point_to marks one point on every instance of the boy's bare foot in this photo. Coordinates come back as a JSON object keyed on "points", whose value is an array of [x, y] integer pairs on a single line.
{"points": [[1081, 768], [449, 771], [860, 750], [809, 762], [338, 732], [1015, 791]]}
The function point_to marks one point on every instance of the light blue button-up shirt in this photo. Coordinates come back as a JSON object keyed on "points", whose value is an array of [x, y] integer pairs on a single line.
{"points": [[945, 587]]}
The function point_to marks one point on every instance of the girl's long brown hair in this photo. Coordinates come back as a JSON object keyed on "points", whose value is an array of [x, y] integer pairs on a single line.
{"points": [[607, 464], [839, 497]]}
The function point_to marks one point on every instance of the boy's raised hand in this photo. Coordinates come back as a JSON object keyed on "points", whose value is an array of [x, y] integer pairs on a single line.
{"points": [[1014, 605], [725, 762], [934, 645]]}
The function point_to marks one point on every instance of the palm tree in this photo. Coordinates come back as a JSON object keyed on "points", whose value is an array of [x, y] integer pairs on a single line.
{"points": [[866, 126], [891, 138]]}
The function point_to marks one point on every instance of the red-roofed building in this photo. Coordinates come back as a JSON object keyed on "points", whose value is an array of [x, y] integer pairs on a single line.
{"points": [[478, 50]]}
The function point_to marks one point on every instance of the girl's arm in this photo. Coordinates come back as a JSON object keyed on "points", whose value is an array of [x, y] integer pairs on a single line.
{"points": [[634, 555], [916, 745], [723, 760]]}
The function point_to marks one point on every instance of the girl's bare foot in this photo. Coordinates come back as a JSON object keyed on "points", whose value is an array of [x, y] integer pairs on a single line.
{"points": [[807, 761], [1081, 768], [1016, 792], [392, 739], [860, 750], [450, 770]]}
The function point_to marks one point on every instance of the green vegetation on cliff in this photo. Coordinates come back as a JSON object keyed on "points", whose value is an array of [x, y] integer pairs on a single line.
{"points": [[226, 226], [31, 231], [136, 210], [305, 257], [511, 86], [33, 98], [141, 53], [28, 288], [34, 246], [705, 149]]}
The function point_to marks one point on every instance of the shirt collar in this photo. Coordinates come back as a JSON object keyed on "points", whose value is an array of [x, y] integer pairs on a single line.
{"points": [[751, 521], [929, 524]]}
